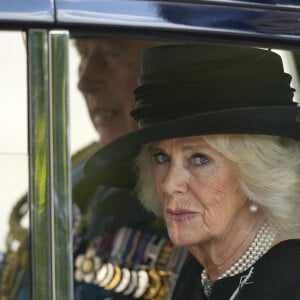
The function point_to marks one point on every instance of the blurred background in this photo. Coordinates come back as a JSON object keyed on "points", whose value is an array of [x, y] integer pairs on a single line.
{"points": [[13, 122]]}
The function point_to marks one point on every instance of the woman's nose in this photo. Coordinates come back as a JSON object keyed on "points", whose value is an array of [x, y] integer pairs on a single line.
{"points": [[175, 180]]}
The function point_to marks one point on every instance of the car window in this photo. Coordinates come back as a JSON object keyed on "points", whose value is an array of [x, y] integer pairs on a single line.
{"points": [[92, 102], [13, 128]]}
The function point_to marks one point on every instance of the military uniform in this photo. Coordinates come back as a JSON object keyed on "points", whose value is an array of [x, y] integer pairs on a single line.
{"points": [[15, 281], [121, 251], [126, 253]]}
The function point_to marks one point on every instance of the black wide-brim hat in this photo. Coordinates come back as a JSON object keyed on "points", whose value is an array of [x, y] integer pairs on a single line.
{"points": [[192, 90]]}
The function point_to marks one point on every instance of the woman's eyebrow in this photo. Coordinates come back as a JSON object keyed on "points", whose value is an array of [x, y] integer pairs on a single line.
{"points": [[183, 148], [194, 147], [154, 149]]}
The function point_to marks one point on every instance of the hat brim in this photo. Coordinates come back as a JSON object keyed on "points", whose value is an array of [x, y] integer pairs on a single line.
{"points": [[114, 164]]}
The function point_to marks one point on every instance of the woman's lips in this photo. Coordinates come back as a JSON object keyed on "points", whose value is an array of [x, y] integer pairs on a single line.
{"points": [[180, 215]]}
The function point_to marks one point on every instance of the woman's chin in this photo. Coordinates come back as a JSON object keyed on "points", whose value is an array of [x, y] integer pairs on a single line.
{"points": [[180, 237]]}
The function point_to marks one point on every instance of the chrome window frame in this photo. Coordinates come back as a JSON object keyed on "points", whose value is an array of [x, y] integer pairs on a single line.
{"points": [[46, 23], [49, 165]]}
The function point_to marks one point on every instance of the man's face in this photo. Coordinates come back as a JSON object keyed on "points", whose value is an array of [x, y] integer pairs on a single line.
{"points": [[108, 74]]}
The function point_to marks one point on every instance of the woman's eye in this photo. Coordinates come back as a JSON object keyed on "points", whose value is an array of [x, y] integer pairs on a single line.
{"points": [[161, 158], [199, 160]]}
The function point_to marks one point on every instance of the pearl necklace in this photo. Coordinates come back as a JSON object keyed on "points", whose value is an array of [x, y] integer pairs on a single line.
{"points": [[260, 245]]}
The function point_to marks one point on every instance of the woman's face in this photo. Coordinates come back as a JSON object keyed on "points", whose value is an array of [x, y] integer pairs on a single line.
{"points": [[198, 188]]}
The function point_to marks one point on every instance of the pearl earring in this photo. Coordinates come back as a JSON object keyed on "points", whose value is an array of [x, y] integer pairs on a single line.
{"points": [[253, 208]]}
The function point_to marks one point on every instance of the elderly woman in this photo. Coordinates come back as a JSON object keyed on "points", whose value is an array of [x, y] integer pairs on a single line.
{"points": [[218, 158]]}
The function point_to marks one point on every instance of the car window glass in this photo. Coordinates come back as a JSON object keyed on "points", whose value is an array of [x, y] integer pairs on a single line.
{"points": [[13, 130], [93, 103]]}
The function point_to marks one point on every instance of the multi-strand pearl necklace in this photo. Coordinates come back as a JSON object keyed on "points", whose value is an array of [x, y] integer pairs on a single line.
{"points": [[260, 245]]}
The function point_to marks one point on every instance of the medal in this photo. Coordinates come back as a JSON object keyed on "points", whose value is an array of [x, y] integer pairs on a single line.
{"points": [[133, 283], [143, 282], [78, 261], [165, 287], [87, 265], [109, 275], [120, 240], [115, 280], [153, 250], [156, 257], [125, 280], [154, 286], [89, 278], [78, 275], [101, 274]]}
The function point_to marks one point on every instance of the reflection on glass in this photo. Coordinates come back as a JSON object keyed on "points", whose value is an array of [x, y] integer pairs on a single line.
{"points": [[103, 74], [13, 155], [106, 71]]}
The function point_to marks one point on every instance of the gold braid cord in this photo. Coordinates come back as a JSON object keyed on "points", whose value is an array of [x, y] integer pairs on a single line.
{"points": [[16, 258], [17, 254]]}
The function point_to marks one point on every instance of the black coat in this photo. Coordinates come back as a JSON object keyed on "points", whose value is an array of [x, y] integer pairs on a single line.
{"points": [[276, 276]]}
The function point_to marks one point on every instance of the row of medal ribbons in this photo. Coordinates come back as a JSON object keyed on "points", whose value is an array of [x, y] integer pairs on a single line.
{"points": [[131, 262]]}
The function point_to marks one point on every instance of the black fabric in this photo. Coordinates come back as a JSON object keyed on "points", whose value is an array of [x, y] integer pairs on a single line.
{"points": [[114, 163], [110, 209], [276, 276], [113, 208], [191, 79], [193, 90]]}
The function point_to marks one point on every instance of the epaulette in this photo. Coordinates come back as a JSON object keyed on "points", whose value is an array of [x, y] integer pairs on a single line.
{"points": [[17, 253], [16, 259]]}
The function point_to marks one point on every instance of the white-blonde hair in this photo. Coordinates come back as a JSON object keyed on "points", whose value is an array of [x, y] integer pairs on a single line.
{"points": [[268, 168]]}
